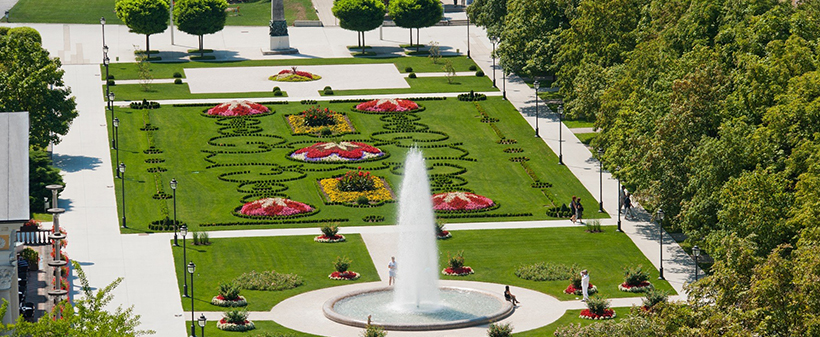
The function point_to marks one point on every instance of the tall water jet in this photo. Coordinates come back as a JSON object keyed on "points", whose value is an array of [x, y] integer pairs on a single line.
{"points": [[417, 271]]}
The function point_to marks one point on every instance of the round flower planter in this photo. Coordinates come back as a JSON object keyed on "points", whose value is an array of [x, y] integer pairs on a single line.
{"points": [[444, 235], [644, 286], [344, 276], [608, 314], [237, 108], [460, 201], [337, 152], [226, 326], [592, 289], [388, 105], [222, 302], [274, 207], [463, 271], [289, 75], [325, 239]]}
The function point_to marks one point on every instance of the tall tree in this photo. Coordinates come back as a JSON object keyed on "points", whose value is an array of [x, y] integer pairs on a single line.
{"points": [[40, 175], [200, 17], [359, 15], [32, 81], [143, 17], [415, 14], [489, 14]]}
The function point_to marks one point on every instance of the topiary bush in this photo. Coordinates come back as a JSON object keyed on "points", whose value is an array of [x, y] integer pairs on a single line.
{"points": [[178, 81], [111, 83], [546, 271], [177, 74], [412, 75], [598, 305], [635, 276], [341, 264], [110, 77], [473, 67], [479, 73], [362, 200], [408, 69]]}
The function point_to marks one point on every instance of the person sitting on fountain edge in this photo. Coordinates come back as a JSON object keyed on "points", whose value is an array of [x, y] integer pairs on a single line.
{"points": [[510, 297]]}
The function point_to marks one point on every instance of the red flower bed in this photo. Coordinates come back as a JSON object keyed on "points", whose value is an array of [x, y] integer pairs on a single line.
{"points": [[238, 108], [571, 289], [30, 226], [274, 207], [299, 73], [225, 321], [341, 151], [643, 284], [458, 271], [608, 313], [460, 201], [345, 275], [388, 105]]}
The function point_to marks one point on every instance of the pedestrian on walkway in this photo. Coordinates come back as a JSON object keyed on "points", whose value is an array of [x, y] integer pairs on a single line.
{"points": [[391, 271], [579, 211], [572, 205], [628, 206], [585, 285], [621, 197]]}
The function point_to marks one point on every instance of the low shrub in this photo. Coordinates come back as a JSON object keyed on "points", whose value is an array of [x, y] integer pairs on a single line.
{"points": [[635, 276], [178, 81], [412, 75], [362, 200], [177, 74], [341, 264], [309, 102], [479, 73], [325, 131], [408, 69], [594, 226], [652, 297], [471, 96], [373, 218], [145, 104], [562, 211], [111, 83], [328, 91], [110, 77], [473, 67], [268, 280], [201, 239], [456, 261], [275, 89], [373, 331], [329, 230], [598, 305], [229, 291], [31, 256], [238, 316], [277, 93], [500, 330], [546, 271]]}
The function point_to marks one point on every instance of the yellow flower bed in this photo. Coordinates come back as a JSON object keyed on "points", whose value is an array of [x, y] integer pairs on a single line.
{"points": [[330, 187], [297, 124]]}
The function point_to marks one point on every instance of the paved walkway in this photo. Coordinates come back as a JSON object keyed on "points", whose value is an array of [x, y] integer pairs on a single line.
{"points": [[145, 260]]}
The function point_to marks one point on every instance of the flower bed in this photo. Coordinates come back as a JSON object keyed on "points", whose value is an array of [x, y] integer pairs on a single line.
{"points": [[344, 276], [274, 207], [381, 191], [443, 235], [462, 271], [460, 201], [340, 125], [587, 314], [220, 301], [237, 108], [388, 105], [642, 287], [223, 324], [293, 75], [341, 151], [591, 289], [325, 239]]}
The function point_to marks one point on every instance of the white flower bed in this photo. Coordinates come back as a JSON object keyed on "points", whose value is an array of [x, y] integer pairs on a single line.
{"points": [[636, 289], [241, 302], [226, 326], [324, 239]]}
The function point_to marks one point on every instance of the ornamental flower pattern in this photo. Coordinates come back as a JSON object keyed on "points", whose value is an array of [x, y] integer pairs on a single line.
{"points": [[238, 108], [340, 125], [341, 151], [388, 105], [293, 75], [274, 207], [331, 188], [460, 201]]}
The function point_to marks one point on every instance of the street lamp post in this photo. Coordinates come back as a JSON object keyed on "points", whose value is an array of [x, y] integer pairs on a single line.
{"points": [[468, 37], [504, 75], [600, 181], [111, 107], [191, 270], [116, 143], [494, 41], [659, 218], [122, 175], [535, 85], [620, 199], [202, 322], [183, 230], [102, 24], [176, 228], [696, 253], [106, 61], [560, 135]]}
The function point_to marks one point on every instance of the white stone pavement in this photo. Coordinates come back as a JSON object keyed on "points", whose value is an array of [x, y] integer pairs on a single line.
{"points": [[145, 260]]}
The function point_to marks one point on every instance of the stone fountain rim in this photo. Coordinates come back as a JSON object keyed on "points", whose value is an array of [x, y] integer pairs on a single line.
{"points": [[505, 311]]}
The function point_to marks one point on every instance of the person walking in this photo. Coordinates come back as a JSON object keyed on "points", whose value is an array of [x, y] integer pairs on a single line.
{"points": [[579, 211], [572, 205], [391, 273], [585, 285], [628, 206]]}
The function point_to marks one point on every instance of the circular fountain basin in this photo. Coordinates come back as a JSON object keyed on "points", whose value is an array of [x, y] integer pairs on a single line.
{"points": [[459, 308]]}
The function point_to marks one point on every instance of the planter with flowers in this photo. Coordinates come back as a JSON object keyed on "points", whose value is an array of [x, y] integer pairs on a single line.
{"points": [[597, 308], [388, 105], [319, 121], [330, 234], [356, 187], [636, 280], [441, 233], [235, 320], [294, 75], [455, 265], [237, 108], [342, 274], [30, 226], [229, 296], [461, 202], [574, 288], [274, 208], [337, 152]]}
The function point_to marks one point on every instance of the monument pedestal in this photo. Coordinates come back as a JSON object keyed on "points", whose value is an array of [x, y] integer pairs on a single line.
{"points": [[280, 45]]}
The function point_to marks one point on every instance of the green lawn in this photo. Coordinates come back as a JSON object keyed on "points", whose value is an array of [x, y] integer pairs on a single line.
{"points": [[225, 259], [251, 13], [129, 71], [262, 327], [427, 85], [160, 91], [220, 167], [586, 138], [578, 124], [496, 254], [570, 317]]}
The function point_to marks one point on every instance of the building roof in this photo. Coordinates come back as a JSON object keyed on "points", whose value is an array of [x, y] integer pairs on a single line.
{"points": [[14, 128]]}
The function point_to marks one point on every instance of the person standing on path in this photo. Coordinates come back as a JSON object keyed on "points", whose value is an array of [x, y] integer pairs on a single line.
{"points": [[579, 211], [572, 206], [391, 271], [585, 284], [628, 206]]}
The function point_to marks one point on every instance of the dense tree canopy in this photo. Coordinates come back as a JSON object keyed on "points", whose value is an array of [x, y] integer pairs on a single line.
{"points": [[359, 15], [32, 81], [143, 17], [415, 14], [200, 17], [489, 14]]}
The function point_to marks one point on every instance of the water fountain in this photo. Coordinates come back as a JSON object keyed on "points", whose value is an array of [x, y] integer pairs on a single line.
{"points": [[417, 302]]}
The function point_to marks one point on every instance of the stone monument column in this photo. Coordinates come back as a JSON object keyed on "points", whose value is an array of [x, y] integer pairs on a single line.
{"points": [[279, 41]]}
